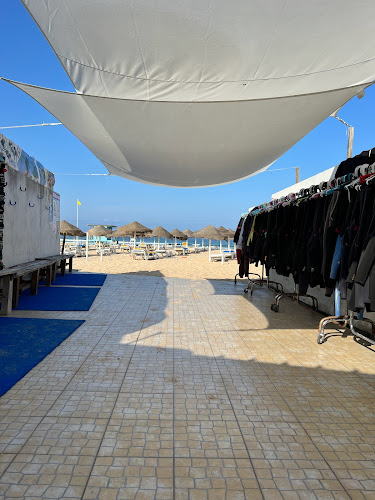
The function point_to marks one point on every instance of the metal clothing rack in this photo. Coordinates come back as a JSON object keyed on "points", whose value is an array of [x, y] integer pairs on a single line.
{"points": [[245, 277], [342, 322], [293, 296], [262, 281], [361, 335]]}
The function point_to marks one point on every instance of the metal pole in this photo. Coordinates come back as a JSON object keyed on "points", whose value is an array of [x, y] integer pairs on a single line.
{"points": [[297, 175], [349, 153]]}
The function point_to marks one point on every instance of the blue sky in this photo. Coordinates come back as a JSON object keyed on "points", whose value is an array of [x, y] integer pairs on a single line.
{"points": [[27, 57]]}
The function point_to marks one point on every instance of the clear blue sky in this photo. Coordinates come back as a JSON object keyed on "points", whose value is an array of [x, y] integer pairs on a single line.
{"points": [[27, 57]]}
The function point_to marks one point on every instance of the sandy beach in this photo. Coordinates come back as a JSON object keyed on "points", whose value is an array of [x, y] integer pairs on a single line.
{"points": [[192, 266]]}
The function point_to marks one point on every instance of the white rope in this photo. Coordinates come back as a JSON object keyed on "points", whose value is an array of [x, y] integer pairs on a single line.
{"points": [[63, 173], [276, 169], [37, 125]]}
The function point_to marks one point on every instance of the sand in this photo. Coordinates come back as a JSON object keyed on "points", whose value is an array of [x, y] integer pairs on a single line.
{"points": [[192, 266]]}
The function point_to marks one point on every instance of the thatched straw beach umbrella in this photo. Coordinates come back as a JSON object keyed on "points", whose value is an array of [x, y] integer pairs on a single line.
{"points": [[190, 234], [160, 232], [211, 233], [197, 235], [97, 231], [223, 231], [229, 236], [66, 228], [134, 228], [178, 235]]}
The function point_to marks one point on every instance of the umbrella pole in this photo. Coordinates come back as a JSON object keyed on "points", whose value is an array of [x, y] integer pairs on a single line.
{"points": [[175, 242], [134, 239], [63, 245], [228, 243], [221, 247], [158, 242], [209, 250]]}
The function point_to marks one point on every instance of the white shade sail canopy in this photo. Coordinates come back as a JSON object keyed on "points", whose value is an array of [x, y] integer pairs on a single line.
{"points": [[202, 92]]}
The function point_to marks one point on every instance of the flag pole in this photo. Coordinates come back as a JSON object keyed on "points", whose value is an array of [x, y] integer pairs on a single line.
{"points": [[77, 221]]}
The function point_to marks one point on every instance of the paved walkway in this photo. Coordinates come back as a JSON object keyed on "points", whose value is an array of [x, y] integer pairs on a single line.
{"points": [[191, 390]]}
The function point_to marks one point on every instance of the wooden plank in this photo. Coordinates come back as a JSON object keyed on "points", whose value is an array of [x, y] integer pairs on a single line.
{"points": [[62, 266], [54, 271], [7, 296], [34, 282], [16, 291], [70, 264], [49, 275]]}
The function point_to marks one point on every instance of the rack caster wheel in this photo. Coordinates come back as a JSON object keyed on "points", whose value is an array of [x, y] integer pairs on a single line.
{"points": [[246, 290], [321, 339], [274, 308]]}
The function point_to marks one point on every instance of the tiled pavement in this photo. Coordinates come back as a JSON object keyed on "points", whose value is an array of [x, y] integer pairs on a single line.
{"points": [[191, 390]]}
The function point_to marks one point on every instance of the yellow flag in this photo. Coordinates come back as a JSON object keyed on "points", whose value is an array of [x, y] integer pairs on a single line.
{"points": [[79, 203]]}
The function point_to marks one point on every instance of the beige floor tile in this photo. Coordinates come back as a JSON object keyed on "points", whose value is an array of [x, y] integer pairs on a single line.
{"points": [[175, 388]]}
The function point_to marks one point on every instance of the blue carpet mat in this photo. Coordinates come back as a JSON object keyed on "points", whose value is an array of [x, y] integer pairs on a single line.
{"points": [[25, 342], [79, 279], [58, 298]]}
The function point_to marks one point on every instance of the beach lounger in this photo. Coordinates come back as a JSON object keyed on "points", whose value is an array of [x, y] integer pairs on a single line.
{"points": [[181, 250], [143, 254], [164, 253], [220, 256]]}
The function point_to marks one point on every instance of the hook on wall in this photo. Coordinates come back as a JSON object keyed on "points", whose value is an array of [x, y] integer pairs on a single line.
{"points": [[22, 189], [30, 205], [47, 208], [10, 203], [40, 197]]}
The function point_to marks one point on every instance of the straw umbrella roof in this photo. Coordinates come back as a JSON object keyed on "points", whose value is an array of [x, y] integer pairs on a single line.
{"points": [[211, 233], [130, 229], [178, 234], [228, 233], [160, 232], [188, 233], [99, 231], [69, 229]]}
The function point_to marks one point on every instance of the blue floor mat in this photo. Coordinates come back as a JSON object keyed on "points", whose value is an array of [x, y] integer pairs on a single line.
{"points": [[79, 279], [58, 298], [25, 342]]}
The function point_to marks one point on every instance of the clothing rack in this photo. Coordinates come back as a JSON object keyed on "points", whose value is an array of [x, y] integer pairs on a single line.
{"points": [[293, 296], [363, 173], [262, 281]]}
